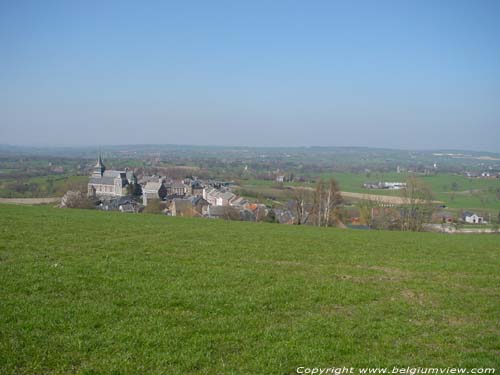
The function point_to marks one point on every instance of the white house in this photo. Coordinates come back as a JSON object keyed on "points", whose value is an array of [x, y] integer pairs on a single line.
{"points": [[472, 218]]}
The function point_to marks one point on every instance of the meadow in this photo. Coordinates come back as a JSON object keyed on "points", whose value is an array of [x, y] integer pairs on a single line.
{"points": [[88, 292]]}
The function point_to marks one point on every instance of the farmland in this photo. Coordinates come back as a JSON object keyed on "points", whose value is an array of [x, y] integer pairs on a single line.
{"points": [[456, 191], [90, 292]]}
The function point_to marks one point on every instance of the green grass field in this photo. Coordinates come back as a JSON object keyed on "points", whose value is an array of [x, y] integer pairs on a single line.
{"points": [[457, 192], [88, 292]]}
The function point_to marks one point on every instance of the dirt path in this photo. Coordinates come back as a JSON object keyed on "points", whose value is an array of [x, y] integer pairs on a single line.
{"points": [[381, 199], [386, 199], [30, 200]]}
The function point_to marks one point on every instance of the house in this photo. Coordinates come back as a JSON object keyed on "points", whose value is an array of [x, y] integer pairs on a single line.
{"points": [[109, 183], [394, 185], [280, 178], [443, 217], [247, 215], [228, 213], [240, 201], [210, 195], [372, 185], [198, 203], [284, 216], [471, 174], [153, 190], [196, 188], [182, 207], [122, 204], [472, 218], [129, 208], [385, 185], [225, 198], [153, 178], [218, 197], [215, 212], [192, 206], [177, 188]]}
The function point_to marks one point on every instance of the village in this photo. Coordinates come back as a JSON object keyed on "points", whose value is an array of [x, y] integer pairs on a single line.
{"points": [[123, 191], [191, 197]]}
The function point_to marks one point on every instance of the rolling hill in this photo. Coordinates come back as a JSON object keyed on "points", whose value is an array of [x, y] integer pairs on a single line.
{"points": [[88, 292]]}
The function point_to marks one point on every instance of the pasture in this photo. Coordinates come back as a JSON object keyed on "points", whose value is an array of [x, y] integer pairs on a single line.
{"points": [[88, 292]]}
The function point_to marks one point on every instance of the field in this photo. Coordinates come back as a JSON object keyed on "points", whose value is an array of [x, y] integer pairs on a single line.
{"points": [[457, 192], [87, 292], [41, 186]]}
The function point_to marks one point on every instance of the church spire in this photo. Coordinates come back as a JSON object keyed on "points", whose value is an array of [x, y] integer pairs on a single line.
{"points": [[99, 168], [99, 160]]}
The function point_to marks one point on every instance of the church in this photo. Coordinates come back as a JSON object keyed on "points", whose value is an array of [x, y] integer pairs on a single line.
{"points": [[109, 183]]}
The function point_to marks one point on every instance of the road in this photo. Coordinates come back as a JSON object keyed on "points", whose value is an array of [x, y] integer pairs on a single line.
{"points": [[385, 199], [381, 199], [30, 200]]}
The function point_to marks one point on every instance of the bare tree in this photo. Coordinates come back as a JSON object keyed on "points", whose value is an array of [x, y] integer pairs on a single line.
{"points": [[333, 203], [318, 198], [418, 206], [76, 199], [327, 200], [301, 205], [366, 207]]}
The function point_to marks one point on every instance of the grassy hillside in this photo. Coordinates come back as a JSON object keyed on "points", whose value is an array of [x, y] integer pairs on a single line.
{"points": [[91, 292]]}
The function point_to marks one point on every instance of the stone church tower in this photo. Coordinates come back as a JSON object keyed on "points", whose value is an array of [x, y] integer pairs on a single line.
{"points": [[109, 183], [99, 168]]}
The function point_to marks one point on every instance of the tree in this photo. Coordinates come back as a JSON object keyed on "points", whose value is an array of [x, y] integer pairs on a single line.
{"points": [[301, 205], [326, 202], [154, 206], [270, 217], [318, 198], [50, 186], [76, 199], [260, 213], [231, 213], [418, 206], [134, 190], [366, 211]]}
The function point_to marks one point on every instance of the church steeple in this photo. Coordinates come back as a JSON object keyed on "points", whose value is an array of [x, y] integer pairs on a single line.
{"points": [[99, 168]]}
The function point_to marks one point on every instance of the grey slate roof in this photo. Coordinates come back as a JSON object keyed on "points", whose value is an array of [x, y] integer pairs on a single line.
{"points": [[111, 173], [227, 195], [102, 180], [152, 186]]}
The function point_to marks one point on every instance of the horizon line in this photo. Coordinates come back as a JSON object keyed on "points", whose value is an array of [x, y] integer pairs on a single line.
{"points": [[103, 146]]}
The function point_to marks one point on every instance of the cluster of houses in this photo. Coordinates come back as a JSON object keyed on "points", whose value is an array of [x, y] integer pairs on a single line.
{"points": [[187, 197], [385, 185], [486, 174]]}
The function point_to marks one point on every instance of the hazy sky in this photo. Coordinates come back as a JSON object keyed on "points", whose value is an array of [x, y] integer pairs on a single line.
{"points": [[402, 74]]}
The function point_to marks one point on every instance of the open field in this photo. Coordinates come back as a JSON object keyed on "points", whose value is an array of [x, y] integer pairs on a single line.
{"points": [[90, 292], [457, 192]]}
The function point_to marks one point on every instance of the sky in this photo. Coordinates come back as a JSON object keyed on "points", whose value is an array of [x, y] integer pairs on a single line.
{"points": [[399, 74]]}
